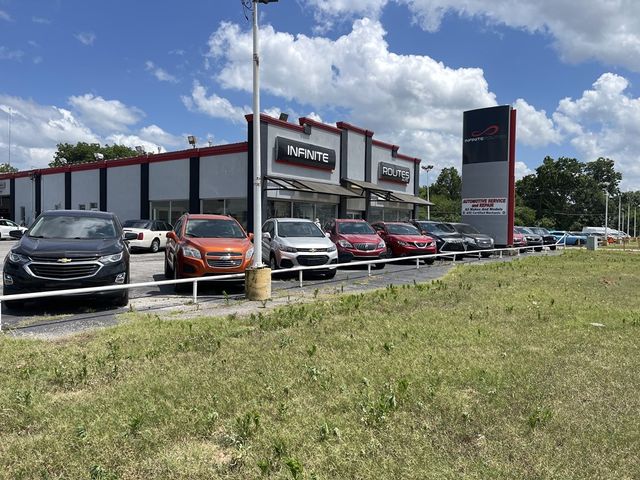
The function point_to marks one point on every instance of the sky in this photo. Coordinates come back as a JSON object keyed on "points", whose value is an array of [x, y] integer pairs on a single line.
{"points": [[151, 72]]}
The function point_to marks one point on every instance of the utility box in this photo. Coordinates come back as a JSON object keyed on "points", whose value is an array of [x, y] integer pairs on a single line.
{"points": [[592, 242]]}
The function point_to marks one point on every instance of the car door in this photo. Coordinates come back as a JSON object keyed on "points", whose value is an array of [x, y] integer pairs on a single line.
{"points": [[4, 229]]}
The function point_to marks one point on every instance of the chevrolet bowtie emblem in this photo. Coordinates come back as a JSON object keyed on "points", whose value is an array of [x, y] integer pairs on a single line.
{"points": [[64, 260]]}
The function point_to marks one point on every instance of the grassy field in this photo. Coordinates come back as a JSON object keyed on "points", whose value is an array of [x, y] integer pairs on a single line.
{"points": [[527, 369]]}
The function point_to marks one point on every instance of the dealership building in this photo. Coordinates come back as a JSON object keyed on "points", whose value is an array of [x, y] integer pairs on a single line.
{"points": [[309, 170]]}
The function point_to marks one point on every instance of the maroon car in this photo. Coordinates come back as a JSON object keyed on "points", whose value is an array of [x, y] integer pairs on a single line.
{"points": [[356, 240], [405, 240]]}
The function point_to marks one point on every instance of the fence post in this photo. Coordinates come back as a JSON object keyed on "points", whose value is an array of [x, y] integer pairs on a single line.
{"points": [[0, 316], [417, 263], [369, 269], [300, 277], [500, 253], [195, 291]]}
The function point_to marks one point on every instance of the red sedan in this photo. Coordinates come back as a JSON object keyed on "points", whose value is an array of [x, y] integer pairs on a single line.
{"points": [[405, 240]]}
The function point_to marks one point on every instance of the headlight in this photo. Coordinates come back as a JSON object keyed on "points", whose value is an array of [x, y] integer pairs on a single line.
{"points": [[107, 259], [382, 244], [17, 258], [345, 244], [430, 244], [249, 253], [332, 248], [284, 248], [469, 240], [191, 252], [403, 244]]}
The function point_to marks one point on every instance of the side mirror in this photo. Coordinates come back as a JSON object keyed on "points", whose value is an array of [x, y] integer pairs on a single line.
{"points": [[266, 236], [130, 236], [171, 235], [423, 232], [327, 234], [16, 234], [250, 235]]}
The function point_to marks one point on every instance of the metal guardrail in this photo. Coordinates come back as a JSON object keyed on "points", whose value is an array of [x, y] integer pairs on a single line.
{"points": [[238, 276]]}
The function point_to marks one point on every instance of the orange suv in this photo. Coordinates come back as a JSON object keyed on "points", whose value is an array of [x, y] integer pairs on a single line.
{"points": [[202, 245]]}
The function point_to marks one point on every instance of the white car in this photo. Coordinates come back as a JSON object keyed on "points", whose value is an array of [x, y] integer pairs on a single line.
{"points": [[7, 226], [152, 234]]}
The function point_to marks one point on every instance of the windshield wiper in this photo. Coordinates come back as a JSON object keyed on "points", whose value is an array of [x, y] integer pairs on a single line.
{"points": [[191, 235], [37, 236]]}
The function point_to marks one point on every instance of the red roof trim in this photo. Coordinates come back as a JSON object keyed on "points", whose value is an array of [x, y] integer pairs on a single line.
{"points": [[275, 121], [388, 146], [123, 162], [322, 126], [348, 126], [408, 158]]}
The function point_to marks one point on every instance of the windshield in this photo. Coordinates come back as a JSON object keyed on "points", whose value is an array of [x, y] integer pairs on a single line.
{"points": [[437, 228], [137, 224], [299, 229], [523, 231], [540, 231], [466, 228], [72, 227], [402, 229], [213, 228], [349, 228]]}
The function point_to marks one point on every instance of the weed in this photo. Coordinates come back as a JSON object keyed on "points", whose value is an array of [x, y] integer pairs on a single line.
{"points": [[539, 417], [295, 468], [311, 351], [246, 426], [134, 425]]}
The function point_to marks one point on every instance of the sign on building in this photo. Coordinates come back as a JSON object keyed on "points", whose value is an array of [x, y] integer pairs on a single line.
{"points": [[304, 154]]}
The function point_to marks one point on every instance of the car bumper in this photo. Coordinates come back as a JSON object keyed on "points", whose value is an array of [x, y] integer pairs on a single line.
{"points": [[348, 254], [141, 243], [307, 259], [194, 267], [401, 251], [16, 279]]}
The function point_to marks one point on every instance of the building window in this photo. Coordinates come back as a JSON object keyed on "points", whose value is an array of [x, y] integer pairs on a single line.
{"points": [[23, 214], [168, 210], [236, 207], [278, 209], [82, 206], [93, 206], [323, 211]]}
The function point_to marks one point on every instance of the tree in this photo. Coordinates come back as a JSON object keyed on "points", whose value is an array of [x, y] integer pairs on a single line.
{"points": [[6, 168], [448, 184], [82, 152]]}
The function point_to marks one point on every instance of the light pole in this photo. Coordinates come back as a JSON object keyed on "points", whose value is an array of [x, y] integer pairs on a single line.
{"points": [[427, 169], [628, 216], [606, 212], [635, 213]]}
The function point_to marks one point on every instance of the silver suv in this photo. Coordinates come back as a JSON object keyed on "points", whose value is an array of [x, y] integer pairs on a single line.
{"points": [[297, 242]]}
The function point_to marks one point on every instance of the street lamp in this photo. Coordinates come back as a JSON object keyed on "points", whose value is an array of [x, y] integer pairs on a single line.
{"points": [[635, 212], [428, 168], [605, 185]]}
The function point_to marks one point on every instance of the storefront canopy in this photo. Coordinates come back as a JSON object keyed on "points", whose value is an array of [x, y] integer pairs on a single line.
{"points": [[283, 183], [372, 188], [404, 198]]}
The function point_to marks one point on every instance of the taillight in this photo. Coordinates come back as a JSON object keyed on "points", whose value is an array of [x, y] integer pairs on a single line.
{"points": [[140, 236]]}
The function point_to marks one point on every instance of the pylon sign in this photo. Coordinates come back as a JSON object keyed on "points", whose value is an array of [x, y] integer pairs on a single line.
{"points": [[488, 171]]}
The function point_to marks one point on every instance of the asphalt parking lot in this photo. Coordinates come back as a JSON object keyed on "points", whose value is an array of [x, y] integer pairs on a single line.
{"points": [[62, 315]]}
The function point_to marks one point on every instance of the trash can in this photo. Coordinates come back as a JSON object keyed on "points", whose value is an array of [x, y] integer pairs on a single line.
{"points": [[592, 242]]}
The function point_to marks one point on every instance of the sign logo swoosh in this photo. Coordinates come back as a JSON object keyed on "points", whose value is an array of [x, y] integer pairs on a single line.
{"points": [[490, 130]]}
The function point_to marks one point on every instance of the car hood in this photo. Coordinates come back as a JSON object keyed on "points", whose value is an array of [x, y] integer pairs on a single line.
{"points": [[306, 242], [56, 247], [360, 238], [447, 237], [221, 244], [411, 238], [478, 236]]}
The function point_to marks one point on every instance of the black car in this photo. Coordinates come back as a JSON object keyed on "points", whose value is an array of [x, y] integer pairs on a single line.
{"points": [[66, 249], [547, 238], [446, 237], [533, 239], [473, 239]]}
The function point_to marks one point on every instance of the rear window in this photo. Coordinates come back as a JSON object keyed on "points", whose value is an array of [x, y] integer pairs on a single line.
{"points": [[73, 227], [354, 228], [465, 228], [137, 224], [213, 228]]}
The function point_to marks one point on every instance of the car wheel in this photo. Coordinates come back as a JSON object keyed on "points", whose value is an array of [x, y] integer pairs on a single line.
{"points": [[273, 264], [538, 249], [553, 247], [378, 266], [429, 261], [13, 304], [330, 274], [155, 245], [485, 255], [168, 271], [122, 300]]}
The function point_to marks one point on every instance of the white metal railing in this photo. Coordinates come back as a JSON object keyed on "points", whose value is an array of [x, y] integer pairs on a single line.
{"points": [[238, 276]]}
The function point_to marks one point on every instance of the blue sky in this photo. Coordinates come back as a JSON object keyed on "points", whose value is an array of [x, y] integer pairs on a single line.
{"points": [[152, 72]]}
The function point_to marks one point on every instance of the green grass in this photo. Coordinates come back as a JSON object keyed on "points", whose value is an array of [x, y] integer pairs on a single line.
{"points": [[494, 372]]}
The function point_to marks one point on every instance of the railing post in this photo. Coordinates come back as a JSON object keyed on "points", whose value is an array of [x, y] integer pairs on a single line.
{"points": [[417, 263], [453, 259], [195, 291], [500, 253], [0, 316], [369, 269], [300, 277]]}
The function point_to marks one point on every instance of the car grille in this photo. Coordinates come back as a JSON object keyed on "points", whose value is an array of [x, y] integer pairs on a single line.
{"points": [[64, 271], [420, 244], [312, 260], [37, 258], [484, 243], [224, 259], [452, 247], [312, 250], [365, 246]]}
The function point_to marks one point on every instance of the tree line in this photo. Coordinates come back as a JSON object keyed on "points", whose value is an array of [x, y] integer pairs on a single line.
{"points": [[562, 193]]}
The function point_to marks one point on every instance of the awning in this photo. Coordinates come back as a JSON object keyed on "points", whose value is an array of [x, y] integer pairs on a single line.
{"points": [[309, 186], [405, 198], [372, 188]]}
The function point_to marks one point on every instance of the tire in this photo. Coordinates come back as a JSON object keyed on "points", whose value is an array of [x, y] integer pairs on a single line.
{"points": [[122, 300], [155, 246], [168, 271], [273, 263], [429, 261], [553, 247], [538, 249], [485, 254], [330, 274], [378, 266], [179, 287], [13, 304]]}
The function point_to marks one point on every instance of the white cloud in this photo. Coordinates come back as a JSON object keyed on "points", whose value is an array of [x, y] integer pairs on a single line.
{"points": [[534, 128], [155, 134], [133, 141], [159, 73], [605, 122], [86, 38], [7, 54], [522, 170], [606, 31], [214, 105], [5, 16], [105, 115]]}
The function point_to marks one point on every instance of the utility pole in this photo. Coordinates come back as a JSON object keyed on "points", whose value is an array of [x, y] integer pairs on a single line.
{"points": [[10, 117], [427, 169]]}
